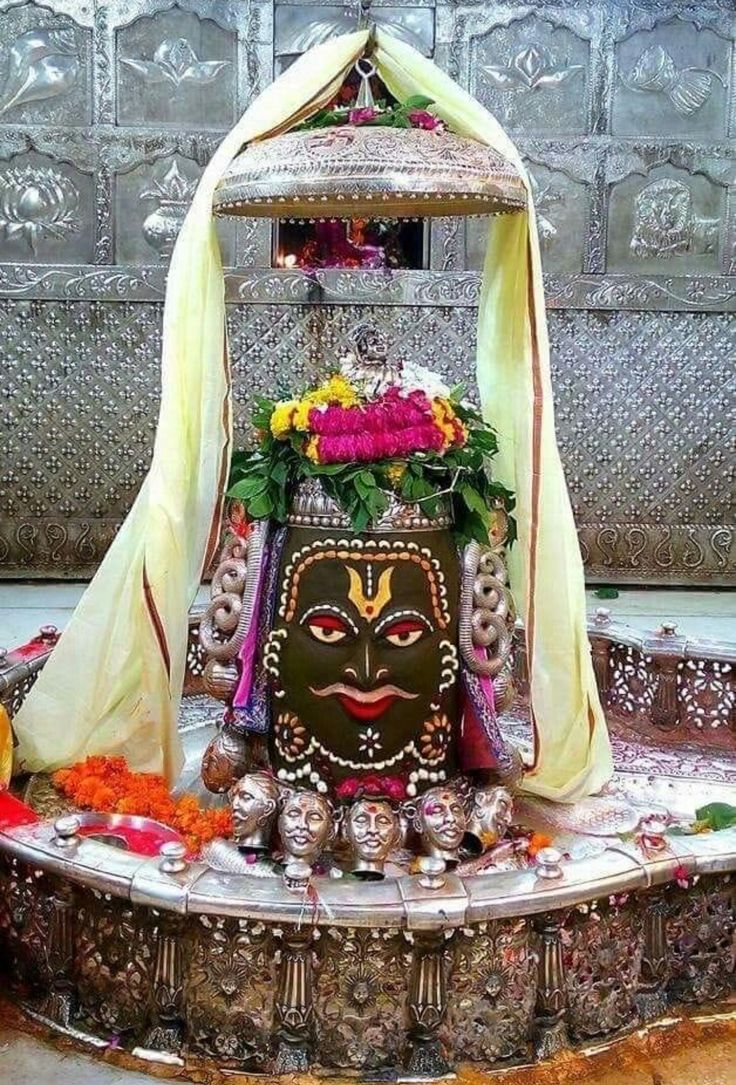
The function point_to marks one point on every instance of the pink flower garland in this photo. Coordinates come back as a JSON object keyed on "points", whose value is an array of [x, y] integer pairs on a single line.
{"points": [[364, 447], [394, 410], [395, 425]]}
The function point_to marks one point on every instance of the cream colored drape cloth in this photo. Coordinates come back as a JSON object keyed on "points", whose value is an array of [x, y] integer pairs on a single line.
{"points": [[114, 681], [572, 756]]}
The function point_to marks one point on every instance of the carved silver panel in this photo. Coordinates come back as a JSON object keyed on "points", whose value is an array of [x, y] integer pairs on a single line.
{"points": [[667, 219], [536, 79], [46, 210], [151, 202], [672, 80], [174, 68], [298, 25], [45, 66], [625, 113], [562, 201], [645, 414]]}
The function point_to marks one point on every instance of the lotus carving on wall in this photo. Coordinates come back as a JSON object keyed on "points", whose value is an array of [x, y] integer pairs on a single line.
{"points": [[531, 68], [37, 203], [175, 63]]}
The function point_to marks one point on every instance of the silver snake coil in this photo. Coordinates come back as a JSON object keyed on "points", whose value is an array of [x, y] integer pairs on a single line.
{"points": [[226, 621], [486, 611]]}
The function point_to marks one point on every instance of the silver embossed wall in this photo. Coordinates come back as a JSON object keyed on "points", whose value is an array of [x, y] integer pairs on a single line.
{"points": [[626, 113]]}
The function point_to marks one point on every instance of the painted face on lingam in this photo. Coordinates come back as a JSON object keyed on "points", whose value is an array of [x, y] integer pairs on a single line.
{"points": [[364, 662]]}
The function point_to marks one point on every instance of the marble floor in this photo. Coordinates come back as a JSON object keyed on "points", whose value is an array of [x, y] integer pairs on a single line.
{"points": [[708, 615]]}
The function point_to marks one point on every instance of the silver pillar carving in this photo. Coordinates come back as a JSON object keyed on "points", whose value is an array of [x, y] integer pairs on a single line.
{"points": [[600, 653], [551, 1008], [665, 707], [294, 1009], [59, 1003], [167, 1029], [651, 998], [427, 1006]]}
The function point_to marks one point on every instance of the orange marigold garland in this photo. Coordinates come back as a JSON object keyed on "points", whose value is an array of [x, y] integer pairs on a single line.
{"points": [[107, 785]]}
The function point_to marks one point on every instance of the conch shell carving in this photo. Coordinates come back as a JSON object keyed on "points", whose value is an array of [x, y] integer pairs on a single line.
{"points": [[42, 64]]}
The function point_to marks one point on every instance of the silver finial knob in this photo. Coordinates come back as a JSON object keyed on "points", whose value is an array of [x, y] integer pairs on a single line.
{"points": [[49, 633], [602, 616], [668, 629], [66, 831], [173, 857], [432, 871], [549, 862]]}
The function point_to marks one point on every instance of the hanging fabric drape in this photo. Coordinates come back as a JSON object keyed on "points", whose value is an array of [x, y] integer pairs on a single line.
{"points": [[572, 756], [114, 681]]}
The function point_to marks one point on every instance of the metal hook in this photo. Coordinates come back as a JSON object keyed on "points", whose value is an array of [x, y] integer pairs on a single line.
{"points": [[363, 8], [365, 69]]}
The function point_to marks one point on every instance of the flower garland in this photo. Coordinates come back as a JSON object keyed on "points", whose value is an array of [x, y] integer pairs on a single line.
{"points": [[107, 785], [412, 113], [419, 445], [342, 430]]}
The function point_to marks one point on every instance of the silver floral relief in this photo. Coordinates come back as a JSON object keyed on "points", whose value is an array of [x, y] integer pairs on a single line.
{"points": [[46, 211], [360, 997], [533, 75], [174, 68], [492, 991], [667, 221], [45, 63], [672, 80]]}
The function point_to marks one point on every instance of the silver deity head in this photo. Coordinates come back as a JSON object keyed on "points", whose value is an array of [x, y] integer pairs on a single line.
{"points": [[254, 801], [306, 825], [490, 818], [441, 821], [373, 830], [367, 365]]}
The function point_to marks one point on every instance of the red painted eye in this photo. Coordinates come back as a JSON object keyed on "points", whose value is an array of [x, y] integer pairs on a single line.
{"points": [[327, 628], [404, 632]]}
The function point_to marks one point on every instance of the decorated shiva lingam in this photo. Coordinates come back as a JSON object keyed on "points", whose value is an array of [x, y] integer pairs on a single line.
{"points": [[359, 619]]}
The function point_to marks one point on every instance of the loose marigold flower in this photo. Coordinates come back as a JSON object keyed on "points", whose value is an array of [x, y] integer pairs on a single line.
{"points": [[537, 841], [107, 785]]}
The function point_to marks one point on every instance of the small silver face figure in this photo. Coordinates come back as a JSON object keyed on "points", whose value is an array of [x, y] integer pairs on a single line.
{"points": [[372, 829], [441, 820], [490, 818], [254, 801], [306, 825]]}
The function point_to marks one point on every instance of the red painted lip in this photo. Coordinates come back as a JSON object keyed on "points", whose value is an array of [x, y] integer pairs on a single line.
{"points": [[366, 710]]}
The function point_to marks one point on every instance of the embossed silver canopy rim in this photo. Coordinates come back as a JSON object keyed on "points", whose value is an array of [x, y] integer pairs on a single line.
{"points": [[366, 171]]}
